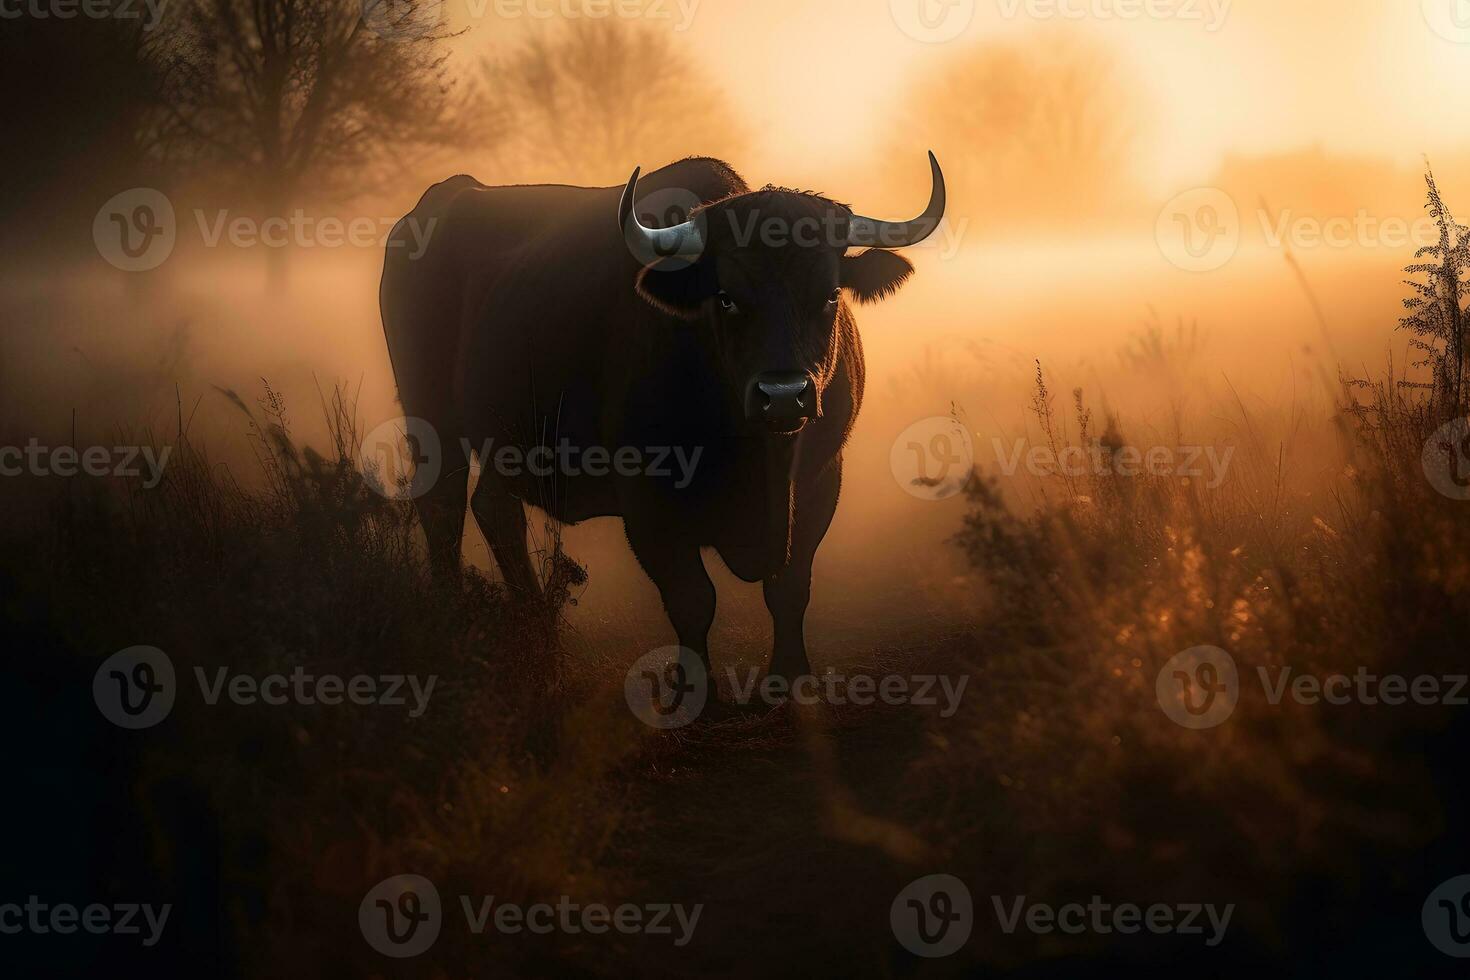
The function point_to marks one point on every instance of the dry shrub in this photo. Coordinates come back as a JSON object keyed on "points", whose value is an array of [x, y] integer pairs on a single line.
{"points": [[265, 825], [1067, 779]]}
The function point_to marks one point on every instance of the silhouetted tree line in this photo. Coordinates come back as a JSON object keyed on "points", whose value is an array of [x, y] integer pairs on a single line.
{"points": [[266, 101], [262, 106]]}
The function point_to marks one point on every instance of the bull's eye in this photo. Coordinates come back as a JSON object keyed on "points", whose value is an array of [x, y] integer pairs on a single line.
{"points": [[726, 303], [835, 297]]}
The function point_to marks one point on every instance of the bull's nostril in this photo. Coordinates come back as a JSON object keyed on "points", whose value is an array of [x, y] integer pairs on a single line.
{"points": [[778, 396]]}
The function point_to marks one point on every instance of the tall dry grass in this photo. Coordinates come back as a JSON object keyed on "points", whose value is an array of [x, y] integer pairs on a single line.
{"points": [[1061, 778], [1326, 825], [264, 826]]}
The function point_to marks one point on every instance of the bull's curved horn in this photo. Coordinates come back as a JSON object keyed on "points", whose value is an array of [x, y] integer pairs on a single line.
{"points": [[652, 244], [866, 232]]}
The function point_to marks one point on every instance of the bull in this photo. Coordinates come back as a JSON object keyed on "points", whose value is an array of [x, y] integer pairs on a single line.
{"points": [[721, 330]]}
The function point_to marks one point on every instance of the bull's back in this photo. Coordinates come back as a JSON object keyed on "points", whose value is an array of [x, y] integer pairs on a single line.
{"points": [[520, 296], [441, 260]]}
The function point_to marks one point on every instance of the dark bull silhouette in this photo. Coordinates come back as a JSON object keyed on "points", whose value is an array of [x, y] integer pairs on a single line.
{"points": [[717, 334]]}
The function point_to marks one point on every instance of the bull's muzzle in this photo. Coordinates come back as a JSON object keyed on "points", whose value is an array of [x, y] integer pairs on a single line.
{"points": [[782, 400]]}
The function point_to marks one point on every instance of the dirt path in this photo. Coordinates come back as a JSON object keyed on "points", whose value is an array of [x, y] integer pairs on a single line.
{"points": [[763, 821]]}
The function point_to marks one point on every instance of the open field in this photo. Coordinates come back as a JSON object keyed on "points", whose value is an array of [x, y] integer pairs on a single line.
{"points": [[1318, 545]]}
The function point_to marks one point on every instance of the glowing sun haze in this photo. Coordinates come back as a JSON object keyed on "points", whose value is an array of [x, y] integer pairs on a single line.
{"points": [[817, 79]]}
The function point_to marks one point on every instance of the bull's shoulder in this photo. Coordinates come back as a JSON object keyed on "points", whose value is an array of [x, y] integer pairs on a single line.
{"points": [[473, 222], [429, 214]]}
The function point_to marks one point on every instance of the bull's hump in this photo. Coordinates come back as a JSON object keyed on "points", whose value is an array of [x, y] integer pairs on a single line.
{"points": [[707, 177]]}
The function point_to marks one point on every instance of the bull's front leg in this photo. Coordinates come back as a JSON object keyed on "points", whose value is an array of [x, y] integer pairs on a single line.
{"points": [[676, 568], [789, 590]]}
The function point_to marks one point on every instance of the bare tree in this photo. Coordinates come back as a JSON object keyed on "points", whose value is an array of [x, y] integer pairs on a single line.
{"points": [[588, 101], [288, 98], [1039, 129], [87, 122]]}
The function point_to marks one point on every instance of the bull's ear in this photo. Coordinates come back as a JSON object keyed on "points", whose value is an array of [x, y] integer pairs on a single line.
{"points": [[678, 292], [875, 275]]}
